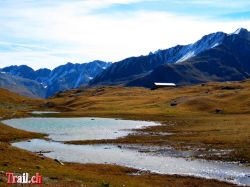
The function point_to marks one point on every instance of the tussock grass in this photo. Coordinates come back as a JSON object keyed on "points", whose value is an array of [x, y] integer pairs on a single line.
{"points": [[213, 115], [196, 124]]}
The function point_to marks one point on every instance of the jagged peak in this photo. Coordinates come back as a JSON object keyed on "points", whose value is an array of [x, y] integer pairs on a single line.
{"points": [[241, 30], [243, 33]]}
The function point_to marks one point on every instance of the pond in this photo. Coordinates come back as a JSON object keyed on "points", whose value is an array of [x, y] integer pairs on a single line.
{"points": [[66, 129]]}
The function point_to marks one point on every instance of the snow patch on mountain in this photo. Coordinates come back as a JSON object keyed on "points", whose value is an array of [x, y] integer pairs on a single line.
{"points": [[238, 31], [205, 43], [186, 56], [215, 45], [61, 78]]}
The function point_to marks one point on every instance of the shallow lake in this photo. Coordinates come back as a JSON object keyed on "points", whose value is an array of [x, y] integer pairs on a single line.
{"points": [[102, 128], [66, 129]]}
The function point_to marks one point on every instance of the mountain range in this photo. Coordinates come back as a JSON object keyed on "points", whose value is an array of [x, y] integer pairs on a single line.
{"points": [[22, 86], [228, 61], [215, 57], [45, 82]]}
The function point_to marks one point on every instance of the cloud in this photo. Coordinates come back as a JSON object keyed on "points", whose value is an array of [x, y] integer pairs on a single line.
{"points": [[49, 33]]}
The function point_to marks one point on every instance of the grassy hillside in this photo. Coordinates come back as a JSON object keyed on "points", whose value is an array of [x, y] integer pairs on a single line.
{"points": [[12, 104], [203, 117], [206, 99], [22, 86], [55, 174]]}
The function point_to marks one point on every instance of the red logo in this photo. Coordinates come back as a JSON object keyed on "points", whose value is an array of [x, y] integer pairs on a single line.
{"points": [[23, 179]]}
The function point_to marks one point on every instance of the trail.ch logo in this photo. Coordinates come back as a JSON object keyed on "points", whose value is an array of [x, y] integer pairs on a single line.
{"points": [[23, 178]]}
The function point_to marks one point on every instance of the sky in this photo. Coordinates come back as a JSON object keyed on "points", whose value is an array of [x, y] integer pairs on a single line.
{"points": [[49, 33]]}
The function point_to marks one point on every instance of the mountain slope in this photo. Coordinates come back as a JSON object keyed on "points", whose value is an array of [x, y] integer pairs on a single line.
{"points": [[22, 86], [136, 67], [215, 57], [228, 61], [243, 33], [64, 77], [73, 75]]}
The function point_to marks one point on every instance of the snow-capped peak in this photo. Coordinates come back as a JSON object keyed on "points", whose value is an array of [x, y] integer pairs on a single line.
{"points": [[243, 33], [240, 30], [205, 43], [237, 31]]}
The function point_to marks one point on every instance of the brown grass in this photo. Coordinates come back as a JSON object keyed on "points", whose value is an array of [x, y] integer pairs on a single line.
{"points": [[13, 105], [196, 121], [19, 161], [215, 115], [54, 174]]}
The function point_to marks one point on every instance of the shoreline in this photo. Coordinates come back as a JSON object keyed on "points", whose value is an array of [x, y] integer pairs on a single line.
{"points": [[116, 142], [119, 171], [138, 138], [201, 129]]}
